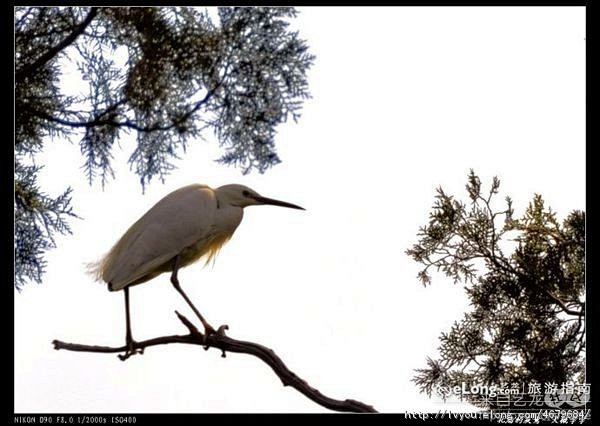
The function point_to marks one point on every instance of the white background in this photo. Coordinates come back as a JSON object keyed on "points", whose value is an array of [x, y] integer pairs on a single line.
{"points": [[404, 100]]}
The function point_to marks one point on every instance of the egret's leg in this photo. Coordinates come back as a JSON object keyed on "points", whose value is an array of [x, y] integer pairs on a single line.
{"points": [[208, 329], [129, 342], [128, 336]]}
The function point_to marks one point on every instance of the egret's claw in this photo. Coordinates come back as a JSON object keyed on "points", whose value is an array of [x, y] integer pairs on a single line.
{"points": [[131, 350], [209, 330], [221, 332]]}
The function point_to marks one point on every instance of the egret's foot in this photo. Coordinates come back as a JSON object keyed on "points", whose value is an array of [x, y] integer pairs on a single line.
{"points": [[209, 330], [131, 350]]}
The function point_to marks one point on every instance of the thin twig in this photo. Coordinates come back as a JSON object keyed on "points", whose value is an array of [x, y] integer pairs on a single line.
{"points": [[227, 344]]}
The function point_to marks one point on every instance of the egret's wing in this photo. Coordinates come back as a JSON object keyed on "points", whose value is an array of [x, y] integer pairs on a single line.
{"points": [[177, 221]]}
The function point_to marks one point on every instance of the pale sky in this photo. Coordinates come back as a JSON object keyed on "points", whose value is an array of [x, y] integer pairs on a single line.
{"points": [[404, 99]]}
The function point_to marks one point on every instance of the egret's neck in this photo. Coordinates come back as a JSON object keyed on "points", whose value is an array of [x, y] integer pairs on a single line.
{"points": [[227, 219]]}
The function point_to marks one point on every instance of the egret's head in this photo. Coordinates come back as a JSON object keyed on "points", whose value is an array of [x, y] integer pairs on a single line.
{"points": [[242, 196]]}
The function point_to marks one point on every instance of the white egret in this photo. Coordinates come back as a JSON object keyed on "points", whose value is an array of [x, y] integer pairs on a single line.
{"points": [[188, 224]]}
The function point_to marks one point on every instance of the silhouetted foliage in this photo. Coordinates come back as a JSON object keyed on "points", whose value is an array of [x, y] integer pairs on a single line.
{"points": [[167, 74], [527, 319]]}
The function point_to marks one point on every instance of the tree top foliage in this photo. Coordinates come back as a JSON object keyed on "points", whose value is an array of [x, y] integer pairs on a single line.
{"points": [[167, 74], [525, 279]]}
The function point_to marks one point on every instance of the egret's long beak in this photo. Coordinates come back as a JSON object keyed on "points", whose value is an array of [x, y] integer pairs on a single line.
{"points": [[265, 200]]}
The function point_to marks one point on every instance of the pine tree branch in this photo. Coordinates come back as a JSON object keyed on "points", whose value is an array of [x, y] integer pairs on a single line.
{"points": [[564, 307], [227, 344], [100, 121], [25, 71]]}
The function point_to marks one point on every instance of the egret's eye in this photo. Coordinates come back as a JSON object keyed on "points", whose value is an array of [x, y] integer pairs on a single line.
{"points": [[246, 193]]}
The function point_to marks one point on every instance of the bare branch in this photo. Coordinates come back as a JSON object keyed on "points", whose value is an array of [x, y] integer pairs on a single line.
{"points": [[227, 344]]}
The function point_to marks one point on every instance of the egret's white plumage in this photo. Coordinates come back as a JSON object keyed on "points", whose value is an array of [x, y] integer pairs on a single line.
{"points": [[192, 222], [169, 229]]}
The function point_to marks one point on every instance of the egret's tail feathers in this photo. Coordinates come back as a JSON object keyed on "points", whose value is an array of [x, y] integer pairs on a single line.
{"points": [[96, 269]]}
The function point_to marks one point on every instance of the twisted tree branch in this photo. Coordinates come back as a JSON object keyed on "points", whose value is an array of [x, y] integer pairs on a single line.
{"points": [[227, 344]]}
